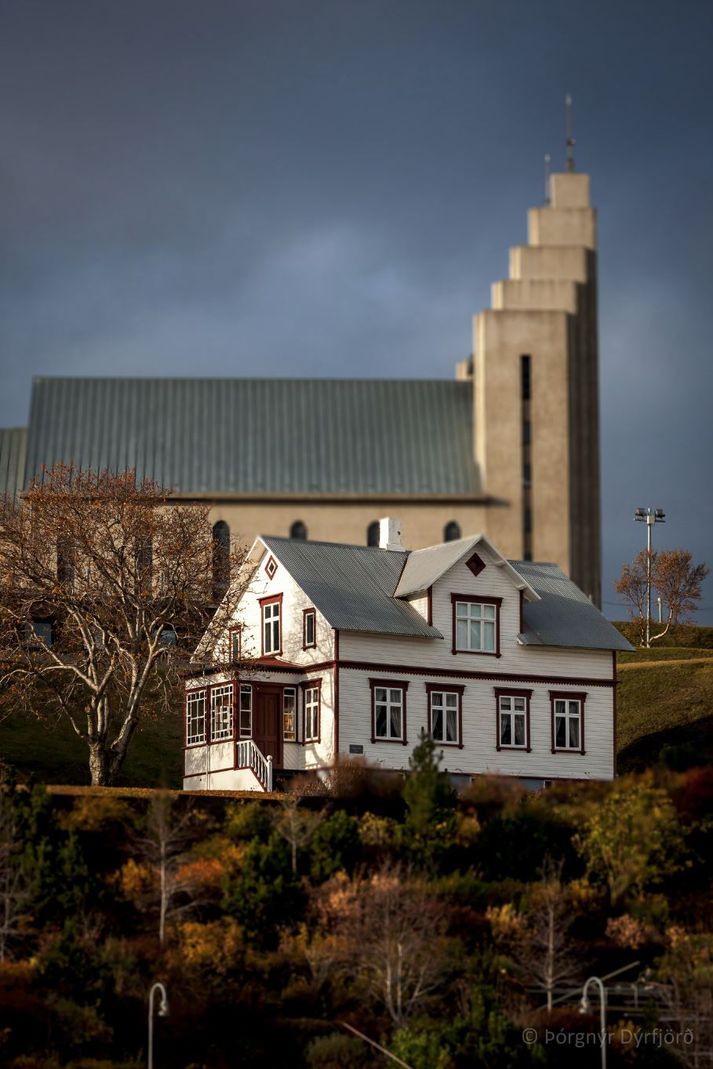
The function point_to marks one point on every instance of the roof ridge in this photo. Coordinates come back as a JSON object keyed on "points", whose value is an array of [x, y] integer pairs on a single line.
{"points": [[341, 545]]}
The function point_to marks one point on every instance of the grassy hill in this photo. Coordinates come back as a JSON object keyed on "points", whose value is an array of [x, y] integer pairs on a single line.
{"points": [[54, 754], [665, 713]]}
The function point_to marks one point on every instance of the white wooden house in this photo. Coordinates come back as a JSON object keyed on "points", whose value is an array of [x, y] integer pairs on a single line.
{"points": [[344, 651]]}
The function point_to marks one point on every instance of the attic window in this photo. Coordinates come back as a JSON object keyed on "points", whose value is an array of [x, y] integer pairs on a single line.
{"points": [[476, 564], [271, 567]]}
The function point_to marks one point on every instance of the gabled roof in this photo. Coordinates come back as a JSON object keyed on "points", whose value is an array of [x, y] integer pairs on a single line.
{"points": [[564, 615], [352, 586], [13, 443], [262, 436], [425, 566]]}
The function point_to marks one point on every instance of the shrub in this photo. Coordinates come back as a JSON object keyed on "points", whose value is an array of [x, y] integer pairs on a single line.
{"points": [[337, 1051], [335, 845]]}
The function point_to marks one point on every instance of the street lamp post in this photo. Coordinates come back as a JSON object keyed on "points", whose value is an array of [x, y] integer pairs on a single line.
{"points": [[585, 1007], [162, 1012], [649, 517]]}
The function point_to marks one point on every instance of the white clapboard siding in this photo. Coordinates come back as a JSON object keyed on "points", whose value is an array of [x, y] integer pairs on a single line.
{"points": [[479, 753]]}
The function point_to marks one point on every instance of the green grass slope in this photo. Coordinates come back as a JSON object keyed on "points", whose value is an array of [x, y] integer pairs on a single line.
{"points": [[55, 754]]}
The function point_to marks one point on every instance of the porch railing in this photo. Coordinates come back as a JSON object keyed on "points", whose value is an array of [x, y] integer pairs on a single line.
{"points": [[247, 755]]}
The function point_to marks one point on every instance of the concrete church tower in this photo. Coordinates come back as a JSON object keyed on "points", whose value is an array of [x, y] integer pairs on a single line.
{"points": [[536, 390]]}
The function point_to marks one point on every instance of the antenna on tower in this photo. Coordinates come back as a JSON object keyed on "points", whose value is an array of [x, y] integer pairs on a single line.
{"points": [[548, 169], [569, 139]]}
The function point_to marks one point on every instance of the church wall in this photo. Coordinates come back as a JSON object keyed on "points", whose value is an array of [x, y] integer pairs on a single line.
{"points": [[422, 523]]}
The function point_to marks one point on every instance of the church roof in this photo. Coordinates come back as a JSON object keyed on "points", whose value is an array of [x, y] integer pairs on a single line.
{"points": [[262, 436]]}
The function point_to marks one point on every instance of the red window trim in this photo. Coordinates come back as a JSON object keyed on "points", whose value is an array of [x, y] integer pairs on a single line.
{"points": [[513, 692], [393, 684], [482, 599], [305, 613], [263, 602], [445, 688], [572, 696], [305, 685], [271, 560]]}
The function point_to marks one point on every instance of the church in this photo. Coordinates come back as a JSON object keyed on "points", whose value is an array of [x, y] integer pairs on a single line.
{"points": [[509, 448]]}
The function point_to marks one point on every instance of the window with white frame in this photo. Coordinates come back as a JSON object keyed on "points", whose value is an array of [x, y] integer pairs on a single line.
{"points": [[476, 626], [389, 706], [512, 721], [246, 711], [445, 719], [221, 712], [235, 640], [195, 717], [309, 629], [311, 701], [567, 726], [289, 714], [271, 616]]}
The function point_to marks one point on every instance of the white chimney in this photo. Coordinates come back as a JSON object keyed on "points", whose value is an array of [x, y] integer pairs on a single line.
{"points": [[390, 533]]}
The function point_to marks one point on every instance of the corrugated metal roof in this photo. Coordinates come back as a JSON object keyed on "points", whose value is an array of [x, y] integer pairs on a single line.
{"points": [[13, 445], [564, 616], [425, 566], [352, 586], [262, 436]]}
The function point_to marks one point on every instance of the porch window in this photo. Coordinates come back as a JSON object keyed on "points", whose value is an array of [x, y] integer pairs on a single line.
{"points": [[289, 714], [388, 710], [246, 711], [311, 701], [271, 627], [195, 717], [221, 712]]}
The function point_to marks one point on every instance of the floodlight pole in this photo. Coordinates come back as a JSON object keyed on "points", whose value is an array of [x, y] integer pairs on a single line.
{"points": [[649, 517]]}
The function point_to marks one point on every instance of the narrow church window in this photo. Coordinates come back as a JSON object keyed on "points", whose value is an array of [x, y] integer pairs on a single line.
{"points": [[221, 559], [298, 530], [526, 460], [372, 533], [451, 532], [65, 563]]}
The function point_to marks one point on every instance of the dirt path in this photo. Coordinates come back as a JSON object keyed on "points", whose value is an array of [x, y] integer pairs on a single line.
{"points": [[657, 664]]}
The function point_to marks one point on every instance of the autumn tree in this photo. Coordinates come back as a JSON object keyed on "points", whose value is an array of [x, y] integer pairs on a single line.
{"points": [[122, 582], [157, 878], [678, 580], [632, 839], [296, 825], [673, 575], [384, 933], [536, 937]]}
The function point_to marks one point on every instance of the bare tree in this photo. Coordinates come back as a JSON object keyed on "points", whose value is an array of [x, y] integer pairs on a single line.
{"points": [[15, 888], [121, 581], [162, 849], [385, 934], [295, 825], [537, 939], [632, 585]]}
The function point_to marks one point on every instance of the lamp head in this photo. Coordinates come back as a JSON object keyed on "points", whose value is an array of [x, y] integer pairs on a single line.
{"points": [[660, 515], [640, 514], [163, 1008], [584, 1006]]}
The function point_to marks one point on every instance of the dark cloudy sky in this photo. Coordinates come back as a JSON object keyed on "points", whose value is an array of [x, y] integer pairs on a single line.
{"points": [[293, 187]]}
